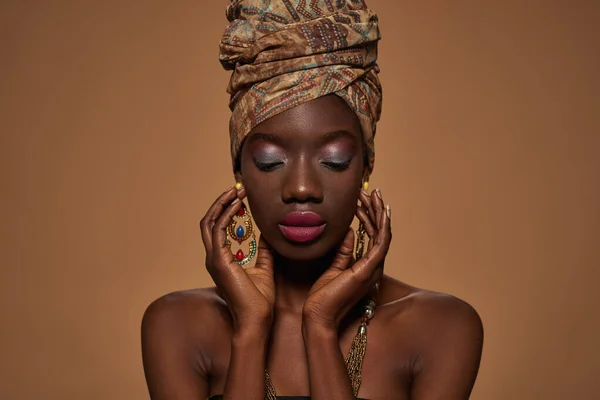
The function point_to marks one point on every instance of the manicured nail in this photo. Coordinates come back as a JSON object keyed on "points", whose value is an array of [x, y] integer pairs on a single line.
{"points": [[235, 201], [388, 211], [378, 191]]}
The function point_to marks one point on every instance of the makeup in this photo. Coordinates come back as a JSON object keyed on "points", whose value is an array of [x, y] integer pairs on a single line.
{"points": [[302, 226]]}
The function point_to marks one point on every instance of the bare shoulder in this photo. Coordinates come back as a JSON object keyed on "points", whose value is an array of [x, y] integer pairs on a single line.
{"points": [[195, 315], [181, 333], [435, 336], [430, 315]]}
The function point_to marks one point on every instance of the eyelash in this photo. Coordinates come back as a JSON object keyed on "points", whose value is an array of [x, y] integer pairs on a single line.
{"points": [[334, 166], [267, 167], [337, 166]]}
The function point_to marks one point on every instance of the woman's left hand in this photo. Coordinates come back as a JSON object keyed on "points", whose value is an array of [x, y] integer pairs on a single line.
{"points": [[347, 281]]}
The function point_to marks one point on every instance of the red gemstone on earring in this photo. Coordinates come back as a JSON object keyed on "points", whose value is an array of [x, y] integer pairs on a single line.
{"points": [[241, 212], [239, 255]]}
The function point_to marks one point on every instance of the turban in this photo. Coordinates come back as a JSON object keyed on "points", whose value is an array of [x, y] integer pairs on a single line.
{"points": [[287, 52]]}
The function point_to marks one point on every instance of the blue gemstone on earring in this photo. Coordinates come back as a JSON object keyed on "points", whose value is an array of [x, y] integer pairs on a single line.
{"points": [[239, 232]]}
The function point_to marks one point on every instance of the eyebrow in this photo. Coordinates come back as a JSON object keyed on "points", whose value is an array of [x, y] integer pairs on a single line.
{"points": [[339, 133], [264, 136], [329, 136]]}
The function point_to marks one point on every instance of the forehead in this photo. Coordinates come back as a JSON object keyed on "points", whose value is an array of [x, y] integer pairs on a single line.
{"points": [[312, 120]]}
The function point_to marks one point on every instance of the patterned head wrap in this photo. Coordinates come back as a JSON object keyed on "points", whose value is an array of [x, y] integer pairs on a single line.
{"points": [[287, 52]]}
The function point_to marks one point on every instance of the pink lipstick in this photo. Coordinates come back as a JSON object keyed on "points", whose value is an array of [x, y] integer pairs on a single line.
{"points": [[302, 226]]}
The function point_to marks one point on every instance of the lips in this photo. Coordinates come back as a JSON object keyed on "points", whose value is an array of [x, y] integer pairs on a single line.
{"points": [[302, 226]]}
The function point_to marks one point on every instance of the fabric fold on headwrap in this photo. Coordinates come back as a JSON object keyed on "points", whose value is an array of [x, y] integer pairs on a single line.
{"points": [[287, 52]]}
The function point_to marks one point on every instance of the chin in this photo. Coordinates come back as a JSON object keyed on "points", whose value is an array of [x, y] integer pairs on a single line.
{"points": [[297, 253], [310, 251]]}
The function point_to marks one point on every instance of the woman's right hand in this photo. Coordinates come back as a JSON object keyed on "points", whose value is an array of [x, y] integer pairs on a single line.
{"points": [[249, 292]]}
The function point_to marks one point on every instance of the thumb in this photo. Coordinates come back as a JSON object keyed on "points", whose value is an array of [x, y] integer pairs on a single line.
{"points": [[264, 259], [343, 258]]}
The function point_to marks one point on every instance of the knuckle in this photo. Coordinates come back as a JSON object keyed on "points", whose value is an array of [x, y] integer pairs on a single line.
{"points": [[361, 276], [206, 222], [345, 252], [219, 222], [223, 203]]}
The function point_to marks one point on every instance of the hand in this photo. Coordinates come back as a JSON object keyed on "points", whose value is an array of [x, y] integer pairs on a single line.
{"points": [[346, 282], [250, 292]]}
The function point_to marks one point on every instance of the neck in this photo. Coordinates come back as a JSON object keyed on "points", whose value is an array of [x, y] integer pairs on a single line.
{"points": [[294, 279]]}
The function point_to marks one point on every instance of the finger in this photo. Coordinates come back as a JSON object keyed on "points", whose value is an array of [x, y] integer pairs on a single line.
{"points": [[387, 226], [264, 259], [386, 237], [374, 259], [366, 221], [373, 223], [367, 202], [383, 235], [241, 193], [343, 258], [378, 206], [208, 221]]}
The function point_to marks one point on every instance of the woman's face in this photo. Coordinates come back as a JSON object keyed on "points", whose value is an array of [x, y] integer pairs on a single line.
{"points": [[303, 171]]}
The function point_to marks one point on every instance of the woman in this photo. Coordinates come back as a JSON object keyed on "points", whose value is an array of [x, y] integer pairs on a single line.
{"points": [[305, 101]]}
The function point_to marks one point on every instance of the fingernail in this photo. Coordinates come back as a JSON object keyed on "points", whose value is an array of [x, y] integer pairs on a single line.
{"points": [[378, 191], [235, 201], [388, 211]]}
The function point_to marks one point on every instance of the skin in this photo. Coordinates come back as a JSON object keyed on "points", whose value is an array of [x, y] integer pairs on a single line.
{"points": [[297, 311]]}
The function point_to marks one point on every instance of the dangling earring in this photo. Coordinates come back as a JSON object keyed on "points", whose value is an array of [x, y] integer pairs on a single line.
{"points": [[360, 234], [360, 242], [241, 232]]}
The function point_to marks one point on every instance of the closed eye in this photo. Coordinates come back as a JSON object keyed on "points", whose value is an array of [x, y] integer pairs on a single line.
{"points": [[337, 166], [267, 166]]}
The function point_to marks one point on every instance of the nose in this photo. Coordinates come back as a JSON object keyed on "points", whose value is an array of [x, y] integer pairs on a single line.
{"points": [[302, 183]]}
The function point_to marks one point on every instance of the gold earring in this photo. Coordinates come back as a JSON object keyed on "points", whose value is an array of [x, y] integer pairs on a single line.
{"points": [[360, 233], [238, 185], [241, 230], [360, 242]]}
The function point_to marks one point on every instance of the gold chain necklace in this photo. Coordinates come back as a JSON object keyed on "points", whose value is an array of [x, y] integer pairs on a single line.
{"points": [[354, 358]]}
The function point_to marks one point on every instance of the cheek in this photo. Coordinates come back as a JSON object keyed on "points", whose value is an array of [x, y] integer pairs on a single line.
{"points": [[346, 201], [347, 182], [343, 197], [260, 193]]}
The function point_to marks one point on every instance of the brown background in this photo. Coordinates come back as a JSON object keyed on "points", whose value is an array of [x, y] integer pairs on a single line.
{"points": [[114, 143]]}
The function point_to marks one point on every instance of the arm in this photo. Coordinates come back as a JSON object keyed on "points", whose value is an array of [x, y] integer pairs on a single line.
{"points": [[449, 362], [326, 367], [335, 293], [246, 373], [250, 297]]}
